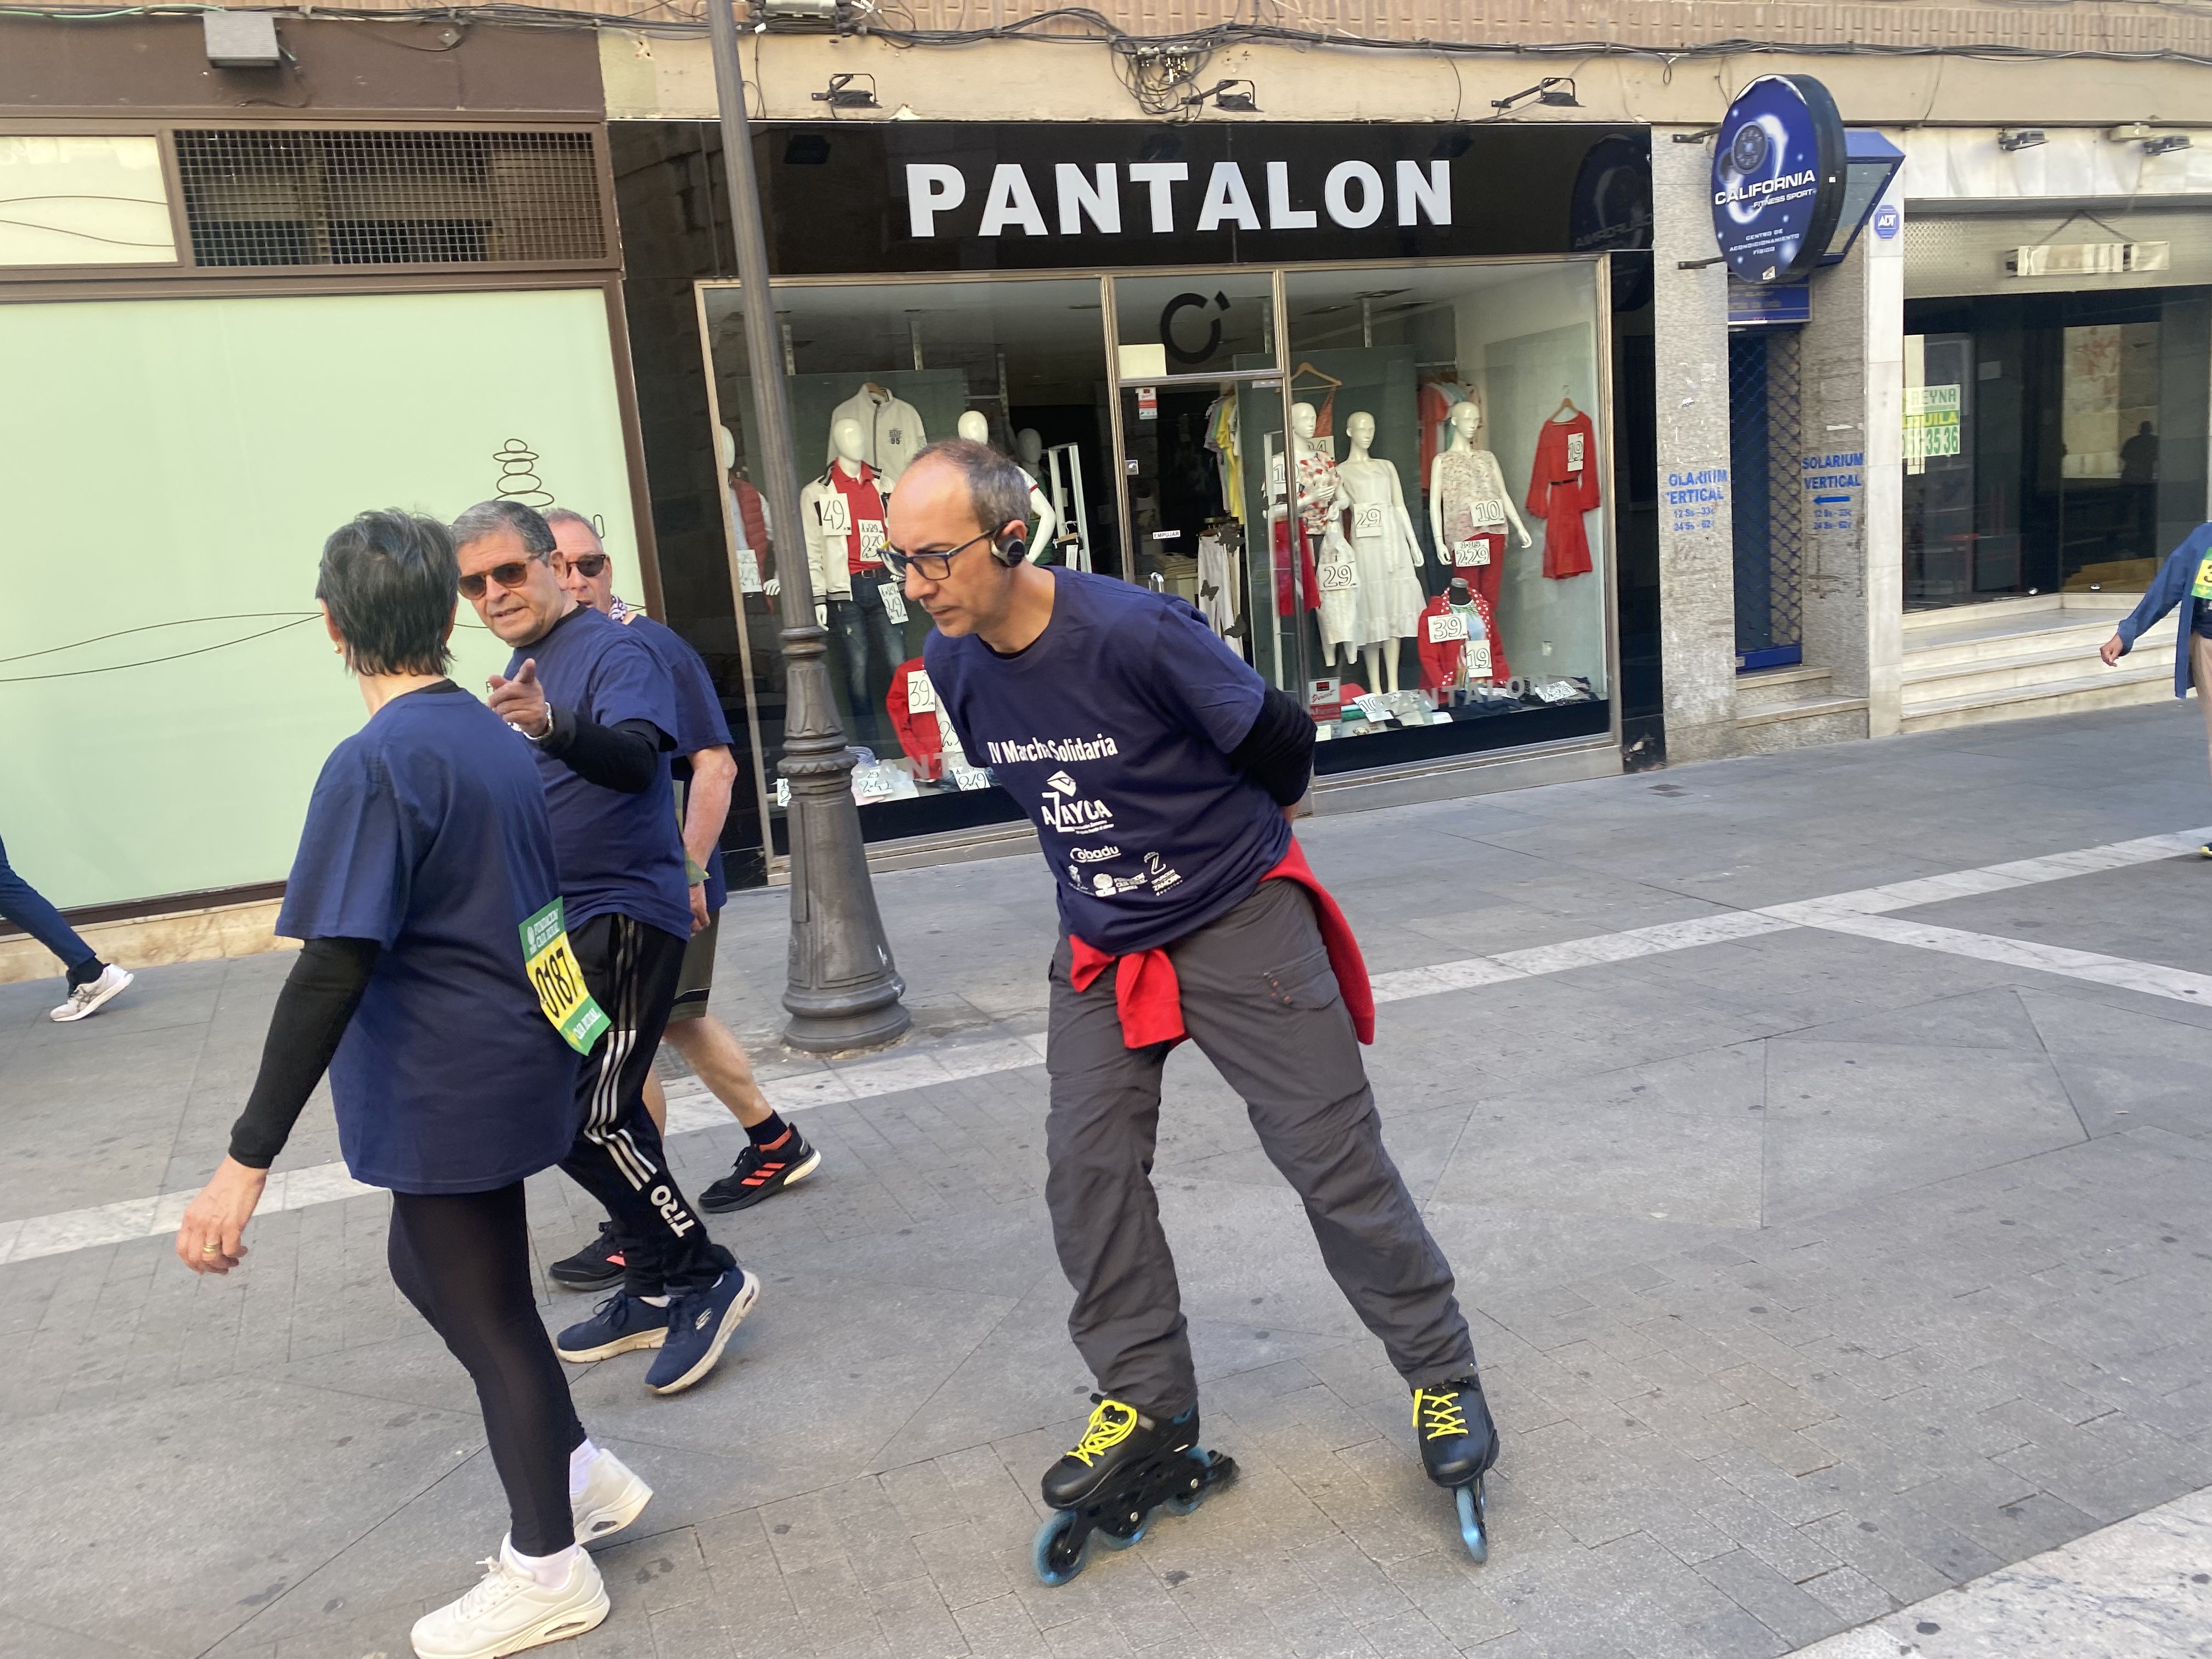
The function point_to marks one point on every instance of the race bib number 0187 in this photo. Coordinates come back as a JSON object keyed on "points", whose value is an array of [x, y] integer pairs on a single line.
{"points": [[2201, 589], [558, 979]]}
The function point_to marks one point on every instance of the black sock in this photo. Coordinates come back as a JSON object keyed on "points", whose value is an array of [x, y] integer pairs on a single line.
{"points": [[85, 972], [769, 1130]]}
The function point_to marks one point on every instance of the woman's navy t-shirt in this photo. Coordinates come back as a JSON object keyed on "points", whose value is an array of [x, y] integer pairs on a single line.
{"points": [[1113, 731], [619, 853], [428, 833]]}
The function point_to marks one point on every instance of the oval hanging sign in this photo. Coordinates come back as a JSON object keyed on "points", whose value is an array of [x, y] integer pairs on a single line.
{"points": [[1778, 171]]}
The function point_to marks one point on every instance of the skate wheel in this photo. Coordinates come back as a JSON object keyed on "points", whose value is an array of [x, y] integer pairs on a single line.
{"points": [[1057, 1556], [1115, 1541], [1471, 1505]]}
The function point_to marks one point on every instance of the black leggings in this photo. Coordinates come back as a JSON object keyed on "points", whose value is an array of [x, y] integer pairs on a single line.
{"points": [[463, 1259]]}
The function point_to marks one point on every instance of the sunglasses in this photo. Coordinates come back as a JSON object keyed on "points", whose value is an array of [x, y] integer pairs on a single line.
{"points": [[930, 567], [591, 566], [512, 573]]}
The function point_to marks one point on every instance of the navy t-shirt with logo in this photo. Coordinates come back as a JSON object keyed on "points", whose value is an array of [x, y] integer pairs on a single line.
{"points": [[699, 723], [428, 833], [619, 853], [1113, 731]]}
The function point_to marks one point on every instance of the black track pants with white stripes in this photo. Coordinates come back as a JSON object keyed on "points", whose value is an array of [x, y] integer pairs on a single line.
{"points": [[631, 971]]}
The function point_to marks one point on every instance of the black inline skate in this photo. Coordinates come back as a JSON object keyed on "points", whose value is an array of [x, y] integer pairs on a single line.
{"points": [[1126, 1465], [1459, 1444]]}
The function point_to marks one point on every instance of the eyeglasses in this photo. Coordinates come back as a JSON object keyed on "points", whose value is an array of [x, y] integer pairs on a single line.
{"points": [[512, 573], [930, 567], [589, 565]]}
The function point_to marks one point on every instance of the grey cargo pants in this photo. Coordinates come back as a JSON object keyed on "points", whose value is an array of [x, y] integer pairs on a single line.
{"points": [[1261, 1003]]}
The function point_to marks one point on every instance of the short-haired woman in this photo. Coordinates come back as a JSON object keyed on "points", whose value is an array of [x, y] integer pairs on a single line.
{"points": [[425, 892]]}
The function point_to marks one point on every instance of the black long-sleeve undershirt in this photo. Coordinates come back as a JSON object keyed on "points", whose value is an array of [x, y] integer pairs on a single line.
{"points": [[624, 757], [1277, 753], [312, 1011]]}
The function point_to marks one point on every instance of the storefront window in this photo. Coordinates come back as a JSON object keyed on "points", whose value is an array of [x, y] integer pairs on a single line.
{"points": [[874, 372], [1387, 489], [2053, 442]]}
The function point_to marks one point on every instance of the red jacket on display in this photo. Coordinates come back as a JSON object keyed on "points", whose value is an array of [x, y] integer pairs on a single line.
{"points": [[1306, 574], [1562, 487], [919, 737], [1440, 658]]}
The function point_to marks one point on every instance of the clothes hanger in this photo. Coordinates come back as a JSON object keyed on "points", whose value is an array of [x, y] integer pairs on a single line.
{"points": [[1328, 381], [1567, 407]]}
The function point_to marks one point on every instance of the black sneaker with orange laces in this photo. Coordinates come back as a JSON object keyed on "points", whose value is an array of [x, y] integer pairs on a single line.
{"points": [[761, 1172]]}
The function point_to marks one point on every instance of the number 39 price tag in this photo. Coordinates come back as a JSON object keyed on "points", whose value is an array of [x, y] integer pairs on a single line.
{"points": [[920, 694], [558, 979], [1444, 626]]}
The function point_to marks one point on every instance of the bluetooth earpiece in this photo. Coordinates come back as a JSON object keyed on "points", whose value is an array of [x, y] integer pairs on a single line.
{"points": [[1010, 551]]}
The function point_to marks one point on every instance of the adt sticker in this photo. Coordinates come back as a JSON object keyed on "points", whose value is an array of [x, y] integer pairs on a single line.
{"points": [[1887, 222]]}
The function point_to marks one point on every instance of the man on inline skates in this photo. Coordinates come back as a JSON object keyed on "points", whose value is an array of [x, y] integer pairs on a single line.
{"points": [[1161, 773]]}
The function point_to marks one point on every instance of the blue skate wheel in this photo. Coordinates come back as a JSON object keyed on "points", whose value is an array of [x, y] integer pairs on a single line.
{"points": [[1471, 1533], [1184, 1505], [1115, 1540], [1056, 1559]]}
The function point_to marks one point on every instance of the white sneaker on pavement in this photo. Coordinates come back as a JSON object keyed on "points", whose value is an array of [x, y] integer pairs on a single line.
{"points": [[88, 999], [612, 1498], [509, 1611]]}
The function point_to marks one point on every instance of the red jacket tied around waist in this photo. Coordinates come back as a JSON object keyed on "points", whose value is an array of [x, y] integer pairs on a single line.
{"points": [[1149, 997]]}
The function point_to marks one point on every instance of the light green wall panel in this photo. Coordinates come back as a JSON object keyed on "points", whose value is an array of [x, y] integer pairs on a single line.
{"points": [[167, 461]]}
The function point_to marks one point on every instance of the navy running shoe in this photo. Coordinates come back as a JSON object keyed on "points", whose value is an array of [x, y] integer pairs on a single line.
{"points": [[618, 1324], [700, 1327]]}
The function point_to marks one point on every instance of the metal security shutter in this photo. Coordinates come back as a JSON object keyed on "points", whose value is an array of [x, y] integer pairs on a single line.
{"points": [[1958, 253], [389, 198]]}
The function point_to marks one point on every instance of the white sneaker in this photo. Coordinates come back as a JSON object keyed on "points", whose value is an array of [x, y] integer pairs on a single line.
{"points": [[612, 1498], [508, 1611], [88, 999]]}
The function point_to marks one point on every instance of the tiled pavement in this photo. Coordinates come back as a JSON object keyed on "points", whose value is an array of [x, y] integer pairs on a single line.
{"points": [[1812, 1275]]}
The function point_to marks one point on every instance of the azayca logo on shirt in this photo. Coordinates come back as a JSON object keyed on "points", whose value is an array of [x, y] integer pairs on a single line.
{"points": [[1064, 808]]}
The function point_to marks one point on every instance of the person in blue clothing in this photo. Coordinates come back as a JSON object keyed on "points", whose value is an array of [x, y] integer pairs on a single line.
{"points": [[425, 895], [597, 712], [2185, 580]]}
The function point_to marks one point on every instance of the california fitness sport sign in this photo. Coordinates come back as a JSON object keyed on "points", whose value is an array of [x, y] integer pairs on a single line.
{"points": [[1778, 177]]}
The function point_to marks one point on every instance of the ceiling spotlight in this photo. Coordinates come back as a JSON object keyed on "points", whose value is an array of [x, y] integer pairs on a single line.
{"points": [[2134, 132], [843, 94], [2166, 144], [2025, 138], [1246, 102], [1556, 90]]}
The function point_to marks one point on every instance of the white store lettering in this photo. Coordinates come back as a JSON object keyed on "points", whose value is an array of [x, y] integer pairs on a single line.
{"points": [[1088, 200]]}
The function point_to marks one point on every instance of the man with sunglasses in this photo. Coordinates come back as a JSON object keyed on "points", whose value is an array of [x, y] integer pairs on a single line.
{"points": [[1161, 773], [776, 1155], [598, 711]]}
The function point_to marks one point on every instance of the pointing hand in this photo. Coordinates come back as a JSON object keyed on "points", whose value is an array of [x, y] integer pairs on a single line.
{"points": [[521, 702]]}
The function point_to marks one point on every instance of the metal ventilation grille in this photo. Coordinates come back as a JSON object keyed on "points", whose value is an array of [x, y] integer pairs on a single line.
{"points": [[262, 197]]}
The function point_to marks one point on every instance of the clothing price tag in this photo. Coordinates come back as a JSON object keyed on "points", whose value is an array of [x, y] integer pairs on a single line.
{"points": [[1445, 626], [2203, 588], [783, 792], [920, 694], [893, 602], [1558, 692], [749, 576], [1470, 553], [970, 777], [1475, 660], [1574, 452], [1367, 519], [1438, 717], [1339, 577], [1375, 706], [871, 782], [872, 541], [558, 979], [1488, 510], [835, 518]]}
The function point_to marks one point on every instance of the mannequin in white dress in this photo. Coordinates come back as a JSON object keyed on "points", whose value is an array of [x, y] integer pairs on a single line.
{"points": [[975, 427], [1336, 572], [1469, 506], [1384, 548]]}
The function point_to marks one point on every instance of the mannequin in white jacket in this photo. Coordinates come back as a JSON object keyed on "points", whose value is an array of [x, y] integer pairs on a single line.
{"points": [[890, 429], [841, 512]]}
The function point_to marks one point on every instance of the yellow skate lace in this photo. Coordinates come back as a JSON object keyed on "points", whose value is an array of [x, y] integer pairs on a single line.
{"points": [[1443, 1413], [1111, 1423]]}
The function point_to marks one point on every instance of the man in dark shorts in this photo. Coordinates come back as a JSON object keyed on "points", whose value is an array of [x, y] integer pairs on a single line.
{"points": [[599, 713], [776, 1155], [1160, 771]]}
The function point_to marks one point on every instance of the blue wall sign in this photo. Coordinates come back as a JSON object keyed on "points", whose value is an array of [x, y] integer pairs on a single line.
{"points": [[1887, 222], [1778, 177]]}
